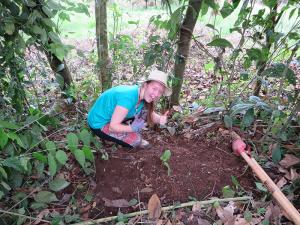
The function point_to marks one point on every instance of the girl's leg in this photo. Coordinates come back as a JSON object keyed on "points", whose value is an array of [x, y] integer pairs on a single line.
{"points": [[128, 139]]}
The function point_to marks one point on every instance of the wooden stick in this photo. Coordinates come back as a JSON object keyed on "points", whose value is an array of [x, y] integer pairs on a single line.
{"points": [[286, 205], [187, 204], [21, 215]]}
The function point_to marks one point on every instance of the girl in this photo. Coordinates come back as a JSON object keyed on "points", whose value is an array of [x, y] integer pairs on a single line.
{"points": [[115, 106]]}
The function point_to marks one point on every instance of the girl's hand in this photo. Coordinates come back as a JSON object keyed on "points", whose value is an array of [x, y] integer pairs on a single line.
{"points": [[163, 118], [138, 124]]}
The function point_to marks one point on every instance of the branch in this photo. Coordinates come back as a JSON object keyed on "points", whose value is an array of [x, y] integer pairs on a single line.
{"points": [[20, 215], [187, 204]]}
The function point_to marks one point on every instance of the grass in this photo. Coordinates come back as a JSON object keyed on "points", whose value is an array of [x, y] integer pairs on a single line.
{"points": [[83, 27]]}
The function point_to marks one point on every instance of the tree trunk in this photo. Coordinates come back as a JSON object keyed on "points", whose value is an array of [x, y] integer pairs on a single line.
{"points": [[61, 68], [185, 36], [56, 64], [102, 44]]}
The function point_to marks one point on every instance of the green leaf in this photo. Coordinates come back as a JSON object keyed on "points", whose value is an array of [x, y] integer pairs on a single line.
{"points": [[165, 157], [292, 13], [52, 164], [38, 205], [133, 202], [235, 182], [220, 42], [283, 136], [276, 154], [80, 157], [244, 76], [61, 157], [248, 117], [58, 50], [209, 66], [15, 137], [58, 184], [226, 10], [82, 8], [64, 16], [260, 187], [279, 70], [24, 162], [8, 125], [248, 216], [3, 138], [39, 156], [270, 3], [50, 146], [212, 4], [88, 153], [5, 185], [1, 195], [228, 121], [254, 54], [9, 28], [53, 5], [54, 37], [3, 172], [47, 11], [265, 222], [30, 3], [133, 22], [13, 162], [60, 80], [228, 192], [72, 141], [204, 8], [85, 137], [45, 197], [238, 108]]}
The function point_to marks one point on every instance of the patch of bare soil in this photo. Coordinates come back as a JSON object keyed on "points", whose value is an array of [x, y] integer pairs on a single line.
{"points": [[200, 169]]}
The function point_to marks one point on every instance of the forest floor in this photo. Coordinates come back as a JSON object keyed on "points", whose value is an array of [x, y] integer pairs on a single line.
{"points": [[200, 168]]}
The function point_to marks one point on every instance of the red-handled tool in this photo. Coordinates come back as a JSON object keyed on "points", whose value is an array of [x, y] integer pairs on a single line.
{"points": [[240, 148]]}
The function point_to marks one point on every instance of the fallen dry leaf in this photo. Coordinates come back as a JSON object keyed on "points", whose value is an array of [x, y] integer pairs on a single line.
{"points": [[146, 190], [119, 203], [196, 207], [159, 222], [116, 190], [281, 182], [178, 108], [154, 207], [241, 221], [168, 222], [85, 209], [85, 216], [273, 213], [294, 174], [226, 213], [40, 216], [203, 222], [289, 160]]}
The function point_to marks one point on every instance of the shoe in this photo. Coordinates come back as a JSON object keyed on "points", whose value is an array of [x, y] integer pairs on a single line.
{"points": [[145, 144]]}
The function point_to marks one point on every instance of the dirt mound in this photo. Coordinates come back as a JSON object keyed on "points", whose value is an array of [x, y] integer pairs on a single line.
{"points": [[200, 169]]}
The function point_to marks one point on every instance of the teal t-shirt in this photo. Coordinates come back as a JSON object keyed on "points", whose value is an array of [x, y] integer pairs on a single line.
{"points": [[126, 96]]}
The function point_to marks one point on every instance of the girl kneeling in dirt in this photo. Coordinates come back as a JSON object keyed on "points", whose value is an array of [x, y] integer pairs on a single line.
{"points": [[107, 117]]}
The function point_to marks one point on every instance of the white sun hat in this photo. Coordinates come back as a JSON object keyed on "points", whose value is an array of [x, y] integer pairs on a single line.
{"points": [[161, 77]]}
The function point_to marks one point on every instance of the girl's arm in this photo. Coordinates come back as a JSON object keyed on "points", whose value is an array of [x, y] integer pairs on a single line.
{"points": [[117, 119]]}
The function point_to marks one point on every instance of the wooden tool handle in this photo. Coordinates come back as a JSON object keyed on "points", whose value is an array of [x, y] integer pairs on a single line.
{"points": [[286, 205]]}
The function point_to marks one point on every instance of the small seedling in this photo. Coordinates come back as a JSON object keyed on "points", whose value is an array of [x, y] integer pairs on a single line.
{"points": [[165, 157]]}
